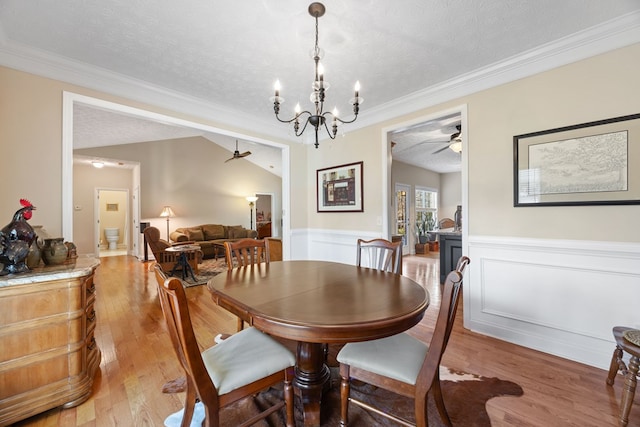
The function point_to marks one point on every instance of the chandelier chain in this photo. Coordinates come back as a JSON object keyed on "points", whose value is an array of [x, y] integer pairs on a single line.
{"points": [[320, 117]]}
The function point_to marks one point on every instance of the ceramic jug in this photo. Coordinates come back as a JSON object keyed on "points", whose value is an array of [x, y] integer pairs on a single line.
{"points": [[34, 255], [54, 251]]}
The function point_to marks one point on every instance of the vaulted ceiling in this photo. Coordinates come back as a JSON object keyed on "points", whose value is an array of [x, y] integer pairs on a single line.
{"points": [[219, 59]]}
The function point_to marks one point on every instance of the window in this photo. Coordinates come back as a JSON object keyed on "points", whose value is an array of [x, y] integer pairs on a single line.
{"points": [[426, 208]]}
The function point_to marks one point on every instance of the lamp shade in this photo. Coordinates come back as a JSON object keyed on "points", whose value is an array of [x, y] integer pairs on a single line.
{"points": [[167, 212], [252, 199]]}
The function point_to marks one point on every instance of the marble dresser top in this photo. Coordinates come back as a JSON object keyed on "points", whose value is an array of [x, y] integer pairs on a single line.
{"points": [[83, 266]]}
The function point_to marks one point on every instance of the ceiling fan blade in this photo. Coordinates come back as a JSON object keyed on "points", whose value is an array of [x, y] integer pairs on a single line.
{"points": [[402, 148], [228, 160], [441, 150], [245, 154]]}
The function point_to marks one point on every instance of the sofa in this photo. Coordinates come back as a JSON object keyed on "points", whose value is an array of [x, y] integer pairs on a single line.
{"points": [[211, 237]]}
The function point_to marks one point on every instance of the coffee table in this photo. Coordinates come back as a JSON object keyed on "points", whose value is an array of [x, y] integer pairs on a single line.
{"points": [[317, 303]]}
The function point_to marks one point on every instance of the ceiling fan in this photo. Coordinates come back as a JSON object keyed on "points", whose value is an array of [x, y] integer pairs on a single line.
{"points": [[237, 155], [455, 142]]}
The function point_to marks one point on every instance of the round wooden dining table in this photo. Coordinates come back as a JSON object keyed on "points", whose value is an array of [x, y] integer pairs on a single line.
{"points": [[317, 303]]}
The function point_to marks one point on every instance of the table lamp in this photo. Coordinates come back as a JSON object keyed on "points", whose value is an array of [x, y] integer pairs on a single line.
{"points": [[167, 212]]}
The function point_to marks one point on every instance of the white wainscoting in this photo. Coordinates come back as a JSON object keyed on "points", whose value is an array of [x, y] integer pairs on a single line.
{"points": [[327, 245], [557, 296]]}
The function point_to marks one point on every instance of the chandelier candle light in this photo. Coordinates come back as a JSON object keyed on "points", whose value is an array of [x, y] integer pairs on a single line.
{"points": [[319, 117]]}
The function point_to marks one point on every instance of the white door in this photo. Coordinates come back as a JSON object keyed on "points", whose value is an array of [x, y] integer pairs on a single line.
{"points": [[402, 223]]}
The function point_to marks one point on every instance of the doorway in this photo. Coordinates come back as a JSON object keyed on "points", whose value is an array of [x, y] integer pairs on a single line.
{"points": [[111, 231], [71, 99], [423, 139], [265, 216]]}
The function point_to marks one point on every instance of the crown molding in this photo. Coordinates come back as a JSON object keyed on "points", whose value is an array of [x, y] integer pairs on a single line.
{"points": [[42, 63], [608, 36], [620, 32]]}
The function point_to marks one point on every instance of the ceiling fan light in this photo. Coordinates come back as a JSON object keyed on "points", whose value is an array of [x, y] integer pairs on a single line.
{"points": [[456, 145]]}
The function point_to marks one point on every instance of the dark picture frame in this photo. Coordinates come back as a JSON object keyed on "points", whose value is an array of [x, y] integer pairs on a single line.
{"points": [[594, 163], [340, 188]]}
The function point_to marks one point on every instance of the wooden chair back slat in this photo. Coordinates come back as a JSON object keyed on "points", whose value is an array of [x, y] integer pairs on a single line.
{"points": [[246, 252], [380, 254]]}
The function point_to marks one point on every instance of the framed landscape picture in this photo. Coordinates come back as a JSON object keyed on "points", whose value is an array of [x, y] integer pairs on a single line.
{"points": [[595, 163], [339, 188]]}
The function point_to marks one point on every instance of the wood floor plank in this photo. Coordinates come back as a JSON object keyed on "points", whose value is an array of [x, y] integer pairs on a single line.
{"points": [[137, 359]]}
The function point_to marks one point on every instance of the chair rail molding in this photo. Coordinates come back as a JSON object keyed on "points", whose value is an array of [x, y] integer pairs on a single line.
{"points": [[328, 245], [558, 296]]}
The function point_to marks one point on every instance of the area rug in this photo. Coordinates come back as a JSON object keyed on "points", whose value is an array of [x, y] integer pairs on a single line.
{"points": [[208, 269], [465, 397]]}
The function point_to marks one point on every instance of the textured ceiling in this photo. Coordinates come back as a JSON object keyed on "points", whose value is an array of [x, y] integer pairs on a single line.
{"points": [[95, 127], [229, 54]]}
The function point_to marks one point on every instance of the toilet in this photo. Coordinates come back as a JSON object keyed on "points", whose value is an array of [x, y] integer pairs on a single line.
{"points": [[112, 235]]}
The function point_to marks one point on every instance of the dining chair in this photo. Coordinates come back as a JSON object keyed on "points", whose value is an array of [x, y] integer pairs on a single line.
{"points": [[380, 254], [462, 264], [402, 364], [274, 248], [245, 252], [242, 365], [445, 223]]}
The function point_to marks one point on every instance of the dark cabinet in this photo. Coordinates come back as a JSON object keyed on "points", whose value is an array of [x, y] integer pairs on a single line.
{"points": [[450, 252], [264, 229]]}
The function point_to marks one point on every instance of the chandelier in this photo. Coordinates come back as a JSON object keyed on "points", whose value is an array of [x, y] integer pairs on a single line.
{"points": [[318, 118]]}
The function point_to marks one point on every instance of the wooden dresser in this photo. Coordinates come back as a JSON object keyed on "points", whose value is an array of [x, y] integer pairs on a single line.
{"points": [[48, 354]]}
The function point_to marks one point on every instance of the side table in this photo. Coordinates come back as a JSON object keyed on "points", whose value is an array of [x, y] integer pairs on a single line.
{"points": [[182, 262]]}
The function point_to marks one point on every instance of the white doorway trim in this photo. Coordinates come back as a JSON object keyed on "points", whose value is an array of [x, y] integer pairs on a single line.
{"points": [[386, 148], [69, 99]]}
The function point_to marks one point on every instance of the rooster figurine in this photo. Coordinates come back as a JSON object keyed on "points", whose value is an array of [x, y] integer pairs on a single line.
{"points": [[15, 240]]}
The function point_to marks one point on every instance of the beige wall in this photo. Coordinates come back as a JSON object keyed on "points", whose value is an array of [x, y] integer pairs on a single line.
{"points": [[362, 145], [594, 89], [450, 194], [597, 88], [190, 175], [31, 135], [86, 180]]}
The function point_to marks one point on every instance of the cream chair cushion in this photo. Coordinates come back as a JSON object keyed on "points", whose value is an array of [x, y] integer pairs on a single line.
{"points": [[232, 363], [405, 352]]}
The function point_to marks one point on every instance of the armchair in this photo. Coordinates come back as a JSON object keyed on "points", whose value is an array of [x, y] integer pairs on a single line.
{"points": [[165, 259]]}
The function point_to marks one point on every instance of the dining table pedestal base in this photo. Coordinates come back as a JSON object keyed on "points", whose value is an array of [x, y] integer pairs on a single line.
{"points": [[312, 378]]}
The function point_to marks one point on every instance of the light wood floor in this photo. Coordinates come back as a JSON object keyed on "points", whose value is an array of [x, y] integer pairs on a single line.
{"points": [[137, 360]]}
